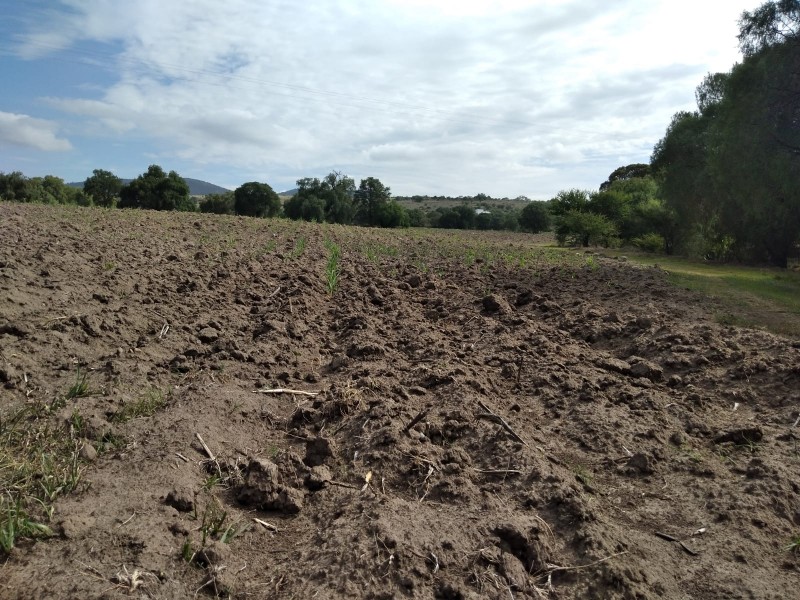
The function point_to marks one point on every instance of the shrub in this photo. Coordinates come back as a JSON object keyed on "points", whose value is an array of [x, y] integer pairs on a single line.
{"points": [[584, 229], [649, 242], [535, 217], [218, 204]]}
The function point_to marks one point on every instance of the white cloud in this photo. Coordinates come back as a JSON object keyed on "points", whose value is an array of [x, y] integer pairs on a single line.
{"points": [[511, 97], [39, 134]]}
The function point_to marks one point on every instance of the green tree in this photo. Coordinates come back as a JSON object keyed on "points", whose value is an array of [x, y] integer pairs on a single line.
{"points": [[711, 91], [458, 217], [256, 199], [612, 204], [49, 189], [338, 191], [653, 217], [155, 190], [79, 197], [14, 187], [218, 204], [680, 165], [103, 187], [637, 170], [391, 214], [576, 228], [329, 199], [569, 201], [56, 190], [187, 204], [771, 24], [755, 162], [730, 173], [369, 201], [535, 217], [306, 204], [36, 191]]}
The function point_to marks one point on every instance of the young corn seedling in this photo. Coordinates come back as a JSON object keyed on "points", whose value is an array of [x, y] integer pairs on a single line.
{"points": [[299, 247], [332, 267]]}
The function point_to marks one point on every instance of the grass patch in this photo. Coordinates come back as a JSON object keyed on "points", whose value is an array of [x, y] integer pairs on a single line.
{"points": [[213, 524], [15, 523], [583, 475], [146, 406], [38, 463], [757, 297]]}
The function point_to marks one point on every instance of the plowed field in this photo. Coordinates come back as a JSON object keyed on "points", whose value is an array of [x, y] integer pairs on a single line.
{"points": [[431, 415]]}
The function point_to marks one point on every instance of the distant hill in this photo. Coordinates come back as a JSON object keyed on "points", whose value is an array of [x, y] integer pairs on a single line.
{"points": [[197, 187], [290, 192], [201, 188]]}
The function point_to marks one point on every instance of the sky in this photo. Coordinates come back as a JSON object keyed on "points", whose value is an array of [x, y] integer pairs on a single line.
{"points": [[438, 97]]}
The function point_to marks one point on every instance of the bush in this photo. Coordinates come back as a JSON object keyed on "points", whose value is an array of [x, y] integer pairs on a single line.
{"points": [[649, 242], [576, 228], [218, 204], [535, 217], [391, 214], [417, 218], [187, 204], [308, 208]]}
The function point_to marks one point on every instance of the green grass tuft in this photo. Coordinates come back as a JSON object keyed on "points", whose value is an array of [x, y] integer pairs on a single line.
{"points": [[80, 388], [146, 406], [794, 545], [299, 247]]}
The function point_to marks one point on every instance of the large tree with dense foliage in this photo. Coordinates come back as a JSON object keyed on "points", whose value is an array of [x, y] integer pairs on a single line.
{"points": [[256, 199], [329, 199], [534, 217], [339, 190], [369, 200], [636, 170], [156, 190], [731, 170], [103, 187], [680, 163]]}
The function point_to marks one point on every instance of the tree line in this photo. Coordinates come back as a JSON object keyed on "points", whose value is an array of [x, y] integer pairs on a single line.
{"points": [[333, 199], [730, 170], [724, 181]]}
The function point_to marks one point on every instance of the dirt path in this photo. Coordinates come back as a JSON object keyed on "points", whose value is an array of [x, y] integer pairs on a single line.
{"points": [[482, 428]]}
